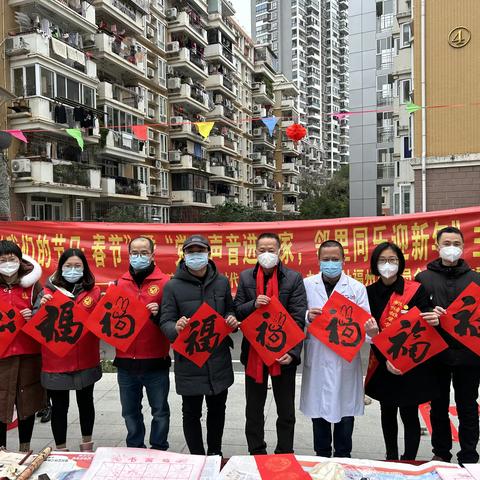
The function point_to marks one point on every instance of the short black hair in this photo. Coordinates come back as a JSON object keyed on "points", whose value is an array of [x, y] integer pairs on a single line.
{"points": [[7, 247], [329, 244], [149, 240], [378, 251], [269, 235], [88, 281], [449, 230]]}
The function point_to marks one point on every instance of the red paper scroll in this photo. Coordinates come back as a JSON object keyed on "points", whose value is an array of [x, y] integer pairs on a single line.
{"points": [[203, 333], [118, 318], [271, 331], [11, 322], [58, 325], [341, 326], [409, 341]]}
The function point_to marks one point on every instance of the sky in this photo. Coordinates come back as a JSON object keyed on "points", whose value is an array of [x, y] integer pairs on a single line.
{"points": [[242, 9]]}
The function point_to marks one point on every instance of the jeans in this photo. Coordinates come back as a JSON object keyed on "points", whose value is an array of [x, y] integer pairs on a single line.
{"points": [[342, 437], [157, 385], [192, 428], [283, 387], [411, 427], [465, 383]]}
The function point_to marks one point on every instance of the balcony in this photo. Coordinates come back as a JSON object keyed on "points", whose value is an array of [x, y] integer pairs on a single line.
{"points": [[188, 62], [263, 184], [263, 162], [219, 53], [59, 12], [222, 199], [188, 162], [67, 57], [290, 168], [193, 98], [124, 187], [261, 94], [289, 104], [197, 198], [260, 137], [291, 189], [290, 208], [122, 14], [215, 20], [220, 82], [218, 142], [385, 134], [117, 57], [123, 145], [184, 23], [183, 127], [385, 173], [223, 113], [63, 178], [290, 148], [131, 97], [266, 206], [224, 173]]}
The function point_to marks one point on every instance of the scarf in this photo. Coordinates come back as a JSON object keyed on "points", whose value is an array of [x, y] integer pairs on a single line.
{"points": [[255, 365]]}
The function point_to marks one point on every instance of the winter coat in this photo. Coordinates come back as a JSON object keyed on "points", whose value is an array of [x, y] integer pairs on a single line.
{"points": [[183, 295], [443, 285], [292, 296]]}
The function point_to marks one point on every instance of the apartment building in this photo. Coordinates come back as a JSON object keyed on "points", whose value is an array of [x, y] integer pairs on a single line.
{"points": [[105, 66]]}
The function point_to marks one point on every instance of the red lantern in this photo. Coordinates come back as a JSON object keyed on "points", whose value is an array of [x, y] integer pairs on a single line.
{"points": [[296, 132]]}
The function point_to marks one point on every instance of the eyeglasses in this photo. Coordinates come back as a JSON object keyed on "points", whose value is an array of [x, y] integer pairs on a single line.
{"points": [[383, 260]]}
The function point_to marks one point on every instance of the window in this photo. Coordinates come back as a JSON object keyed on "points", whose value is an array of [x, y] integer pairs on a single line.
{"points": [[46, 208], [162, 72], [405, 35], [79, 209], [142, 174], [61, 86], [88, 96], [406, 147], [406, 200], [162, 30], [162, 108], [73, 90], [405, 89], [46, 83]]}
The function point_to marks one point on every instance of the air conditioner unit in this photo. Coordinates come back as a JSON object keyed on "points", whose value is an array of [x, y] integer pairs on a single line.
{"points": [[150, 72], [21, 165], [256, 86], [151, 112], [152, 151], [150, 97], [171, 13], [257, 132], [256, 156], [176, 120], [150, 32], [16, 46], [158, 164], [228, 103], [127, 139], [152, 189], [164, 157], [174, 157], [173, 47], [258, 181], [188, 81], [170, 70], [174, 83], [257, 108], [218, 98]]}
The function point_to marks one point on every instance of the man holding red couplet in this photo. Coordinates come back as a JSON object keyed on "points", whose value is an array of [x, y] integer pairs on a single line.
{"points": [[332, 388], [444, 280], [256, 287]]}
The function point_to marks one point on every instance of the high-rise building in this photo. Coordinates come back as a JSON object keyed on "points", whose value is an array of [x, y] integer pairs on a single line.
{"points": [[106, 67], [310, 39]]}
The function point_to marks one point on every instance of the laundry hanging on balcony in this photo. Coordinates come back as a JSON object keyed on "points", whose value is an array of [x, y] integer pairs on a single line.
{"points": [[270, 123]]}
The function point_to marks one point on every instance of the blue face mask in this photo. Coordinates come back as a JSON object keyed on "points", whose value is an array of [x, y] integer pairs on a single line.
{"points": [[331, 269], [140, 262], [72, 275], [196, 260]]}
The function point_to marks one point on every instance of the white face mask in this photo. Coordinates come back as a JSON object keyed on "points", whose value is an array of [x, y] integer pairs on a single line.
{"points": [[268, 259], [387, 270], [451, 253], [9, 268]]}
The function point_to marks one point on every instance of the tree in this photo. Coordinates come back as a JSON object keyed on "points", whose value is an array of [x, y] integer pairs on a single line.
{"points": [[125, 213], [234, 212], [328, 201]]}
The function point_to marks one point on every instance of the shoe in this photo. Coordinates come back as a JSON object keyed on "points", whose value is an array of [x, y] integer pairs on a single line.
{"points": [[46, 415], [64, 449], [436, 458], [86, 447], [367, 400]]}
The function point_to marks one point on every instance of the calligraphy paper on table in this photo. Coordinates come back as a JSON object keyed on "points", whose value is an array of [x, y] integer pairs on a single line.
{"points": [[282, 466], [11, 322], [409, 341], [203, 333], [118, 318], [271, 331], [58, 324], [462, 320], [341, 326]]}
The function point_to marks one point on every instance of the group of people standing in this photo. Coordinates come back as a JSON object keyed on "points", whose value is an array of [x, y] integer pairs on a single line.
{"points": [[332, 391]]}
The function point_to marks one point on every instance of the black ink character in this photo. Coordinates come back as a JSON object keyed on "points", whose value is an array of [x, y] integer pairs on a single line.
{"points": [[117, 322]]}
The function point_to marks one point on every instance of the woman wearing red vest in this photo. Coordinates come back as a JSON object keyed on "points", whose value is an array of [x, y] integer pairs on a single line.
{"points": [[384, 382], [80, 368], [20, 362]]}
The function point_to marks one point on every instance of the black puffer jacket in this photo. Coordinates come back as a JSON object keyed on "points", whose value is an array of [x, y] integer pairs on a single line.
{"points": [[444, 284], [182, 296], [292, 295]]}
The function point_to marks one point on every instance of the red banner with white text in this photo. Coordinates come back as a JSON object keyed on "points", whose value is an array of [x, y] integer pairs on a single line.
{"points": [[233, 244]]}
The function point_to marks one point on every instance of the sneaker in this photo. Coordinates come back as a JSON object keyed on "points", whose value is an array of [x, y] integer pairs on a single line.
{"points": [[46, 415], [367, 400]]}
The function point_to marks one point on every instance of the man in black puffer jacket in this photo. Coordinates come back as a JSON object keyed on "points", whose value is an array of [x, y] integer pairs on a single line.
{"points": [[256, 287], [444, 280], [197, 281]]}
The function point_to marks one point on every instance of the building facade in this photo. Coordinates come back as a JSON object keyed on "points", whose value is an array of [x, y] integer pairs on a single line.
{"points": [[105, 66]]}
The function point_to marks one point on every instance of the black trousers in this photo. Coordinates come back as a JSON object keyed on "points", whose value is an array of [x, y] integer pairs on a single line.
{"points": [[465, 384], [60, 402], [283, 387], [342, 437], [192, 428], [25, 430], [411, 427]]}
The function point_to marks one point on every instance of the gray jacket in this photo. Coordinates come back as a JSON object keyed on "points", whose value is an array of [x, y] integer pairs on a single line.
{"points": [[182, 296], [292, 296]]}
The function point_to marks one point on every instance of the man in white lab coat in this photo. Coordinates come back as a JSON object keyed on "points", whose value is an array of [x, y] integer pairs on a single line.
{"points": [[332, 388]]}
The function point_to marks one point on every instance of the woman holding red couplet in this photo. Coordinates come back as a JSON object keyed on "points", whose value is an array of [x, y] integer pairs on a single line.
{"points": [[389, 297], [20, 363], [80, 368]]}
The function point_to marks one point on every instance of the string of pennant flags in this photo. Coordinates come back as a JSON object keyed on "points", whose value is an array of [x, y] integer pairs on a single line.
{"points": [[205, 128]]}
